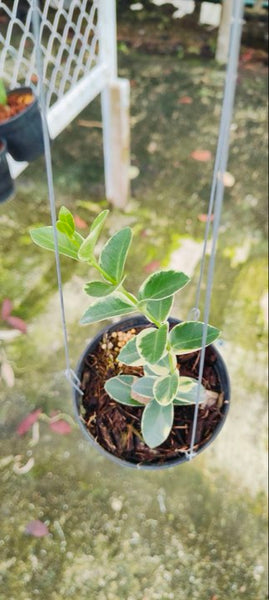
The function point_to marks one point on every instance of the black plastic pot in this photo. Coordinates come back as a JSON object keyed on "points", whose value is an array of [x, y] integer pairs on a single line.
{"points": [[6, 181], [124, 325], [23, 132]]}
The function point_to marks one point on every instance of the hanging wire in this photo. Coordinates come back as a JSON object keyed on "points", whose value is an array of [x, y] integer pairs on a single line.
{"points": [[216, 195], [217, 190], [70, 374]]}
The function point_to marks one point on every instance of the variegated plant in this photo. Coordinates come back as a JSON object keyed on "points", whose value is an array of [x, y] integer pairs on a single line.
{"points": [[155, 348]]}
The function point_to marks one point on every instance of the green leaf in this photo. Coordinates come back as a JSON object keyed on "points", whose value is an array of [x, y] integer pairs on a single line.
{"points": [[65, 216], [65, 228], [3, 94], [187, 391], [129, 354], [112, 306], [165, 389], [43, 236], [113, 255], [156, 423], [187, 337], [160, 309], [99, 289], [119, 388], [151, 343], [162, 284], [161, 368], [142, 389], [87, 248]]}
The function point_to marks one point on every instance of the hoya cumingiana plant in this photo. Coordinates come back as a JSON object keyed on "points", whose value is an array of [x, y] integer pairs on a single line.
{"points": [[155, 348]]}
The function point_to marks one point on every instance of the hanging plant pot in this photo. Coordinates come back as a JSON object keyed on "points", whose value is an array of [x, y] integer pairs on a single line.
{"points": [[6, 181], [21, 125], [114, 429]]}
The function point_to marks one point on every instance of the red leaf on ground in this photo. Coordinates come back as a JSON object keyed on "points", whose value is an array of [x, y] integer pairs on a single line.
{"points": [[61, 427], [36, 528], [6, 308], [80, 223], [185, 100], [201, 155], [203, 218], [144, 233], [27, 423], [152, 266], [247, 55], [17, 323]]}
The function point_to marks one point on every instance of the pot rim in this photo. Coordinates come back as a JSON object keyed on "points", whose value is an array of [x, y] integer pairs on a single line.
{"points": [[121, 325]]}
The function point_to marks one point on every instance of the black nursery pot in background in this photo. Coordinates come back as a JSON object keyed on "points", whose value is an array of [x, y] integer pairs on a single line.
{"points": [[23, 132], [6, 181], [140, 322]]}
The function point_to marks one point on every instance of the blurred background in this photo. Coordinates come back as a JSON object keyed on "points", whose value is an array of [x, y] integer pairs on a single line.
{"points": [[75, 525]]}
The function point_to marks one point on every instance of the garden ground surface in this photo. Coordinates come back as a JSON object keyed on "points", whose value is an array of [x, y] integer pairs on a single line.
{"points": [[192, 532]]}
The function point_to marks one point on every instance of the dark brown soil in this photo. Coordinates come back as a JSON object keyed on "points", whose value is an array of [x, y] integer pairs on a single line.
{"points": [[16, 103], [117, 427]]}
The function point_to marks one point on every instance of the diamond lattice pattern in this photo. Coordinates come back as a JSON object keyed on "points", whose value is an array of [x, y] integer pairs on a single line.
{"points": [[68, 40]]}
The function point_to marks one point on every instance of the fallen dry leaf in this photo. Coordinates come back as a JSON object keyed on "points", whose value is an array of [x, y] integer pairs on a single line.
{"points": [[22, 469], [36, 528], [204, 218], [80, 223], [201, 155], [7, 373], [34, 78], [185, 100], [228, 179], [90, 124], [28, 421], [6, 308], [247, 55], [17, 323], [152, 147], [8, 334], [152, 266], [61, 427], [133, 172]]}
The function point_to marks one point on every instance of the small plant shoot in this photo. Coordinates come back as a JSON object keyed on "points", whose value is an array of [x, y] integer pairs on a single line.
{"points": [[156, 347]]}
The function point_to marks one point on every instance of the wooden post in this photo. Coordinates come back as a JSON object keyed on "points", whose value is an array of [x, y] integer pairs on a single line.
{"points": [[224, 32], [115, 104], [116, 140]]}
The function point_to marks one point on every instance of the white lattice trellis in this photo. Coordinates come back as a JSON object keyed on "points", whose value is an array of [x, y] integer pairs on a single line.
{"points": [[78, 43]]}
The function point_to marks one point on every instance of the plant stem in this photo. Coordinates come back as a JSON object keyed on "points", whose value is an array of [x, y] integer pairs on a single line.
{"points": [[125, 293], [94, 264]]}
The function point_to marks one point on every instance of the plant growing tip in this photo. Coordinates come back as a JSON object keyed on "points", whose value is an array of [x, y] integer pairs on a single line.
{"points": [[155, 348]]}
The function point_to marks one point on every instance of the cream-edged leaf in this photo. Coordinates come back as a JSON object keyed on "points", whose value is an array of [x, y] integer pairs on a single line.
{"points": [[151, 343], [111, 306], [87, 248], [156, 423], [129, 354], [162, 284], [165, 389], [187, 337], [119, 388], [114, 253]]}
